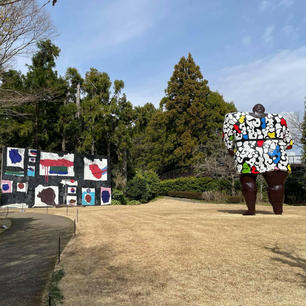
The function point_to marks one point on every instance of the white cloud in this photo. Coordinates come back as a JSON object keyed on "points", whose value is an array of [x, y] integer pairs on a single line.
{"points": [[278, 82], [268, 34], [275, 4]]}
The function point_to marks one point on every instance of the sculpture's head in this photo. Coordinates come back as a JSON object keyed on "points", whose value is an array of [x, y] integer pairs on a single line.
{"points": [[259, 110]]}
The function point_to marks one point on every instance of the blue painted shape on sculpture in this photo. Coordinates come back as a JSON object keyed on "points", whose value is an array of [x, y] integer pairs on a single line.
{"points": [[263, 123], [5, 187], [15, 157], [276, 153], [245, 136], [105, 196]]}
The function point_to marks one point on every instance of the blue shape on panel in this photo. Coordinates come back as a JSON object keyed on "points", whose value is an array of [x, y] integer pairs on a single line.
{"points": [[245, 136], [5, 187], [15, 157], [105, 196], [31, 171]]}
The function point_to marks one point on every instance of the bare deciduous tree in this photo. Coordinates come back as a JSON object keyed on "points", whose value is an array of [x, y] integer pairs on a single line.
{"points": [[22, 24], [216, 162], [295, 124]]}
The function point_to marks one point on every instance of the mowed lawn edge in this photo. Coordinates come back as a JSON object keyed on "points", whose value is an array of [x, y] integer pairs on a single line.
{"points": [[180, 252]]}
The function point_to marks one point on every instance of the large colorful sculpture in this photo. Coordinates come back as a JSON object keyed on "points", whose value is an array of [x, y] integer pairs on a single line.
{"points": [[258, 141], [36, 178]]}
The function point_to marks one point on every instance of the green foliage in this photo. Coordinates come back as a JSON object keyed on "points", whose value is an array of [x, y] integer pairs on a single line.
{"points": [[193, 184], [144, 186], [190, 117], [115, 202], [133, 202], [295, 188], [54, 291], [118, 195], [186, 194]]}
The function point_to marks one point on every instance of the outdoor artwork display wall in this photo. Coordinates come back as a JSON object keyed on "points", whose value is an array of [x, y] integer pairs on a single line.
{"points": [[37, 178]]}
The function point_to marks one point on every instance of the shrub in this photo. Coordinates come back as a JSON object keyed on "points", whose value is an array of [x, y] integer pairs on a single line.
{"points": [[118, 195], [133, 202], [144, 186], [186, 194], [115, 202], [234, 199], [194, 184], [214, 196]]}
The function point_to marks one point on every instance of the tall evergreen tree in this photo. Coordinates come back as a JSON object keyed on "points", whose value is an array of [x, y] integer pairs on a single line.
{"points": [[303, 140], [192, 115], [43, 81]]}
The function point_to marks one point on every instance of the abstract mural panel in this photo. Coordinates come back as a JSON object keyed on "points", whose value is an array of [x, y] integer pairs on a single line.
{"points": [[6, 186], [54, 164], [71, 200], [88, 196], [37, 178], [46, 195], [22, 187], [95, 170], [15, 157], [105, 195]]}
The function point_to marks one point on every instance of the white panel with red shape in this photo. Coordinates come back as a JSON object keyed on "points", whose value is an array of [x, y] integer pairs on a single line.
{"points": [[22, 187], [95, 170], [71, 200]]}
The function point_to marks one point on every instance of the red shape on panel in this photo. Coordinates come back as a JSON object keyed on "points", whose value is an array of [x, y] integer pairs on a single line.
{"points": [[88, 198], [96, 171]]}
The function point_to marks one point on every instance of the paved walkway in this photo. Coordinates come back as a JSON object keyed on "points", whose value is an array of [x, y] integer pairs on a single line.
{"points": [[28, 252]]}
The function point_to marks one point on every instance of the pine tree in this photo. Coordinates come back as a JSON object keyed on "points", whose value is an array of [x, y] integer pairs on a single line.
{"points": [[193, 114], [303, 139]]}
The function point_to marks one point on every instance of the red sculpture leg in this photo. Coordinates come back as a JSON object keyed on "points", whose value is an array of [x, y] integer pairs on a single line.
{"points": [[249, 191], [276, 181]]}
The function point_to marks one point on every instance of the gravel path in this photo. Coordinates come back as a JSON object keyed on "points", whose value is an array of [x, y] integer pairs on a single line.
{"points": [[28, 252]]}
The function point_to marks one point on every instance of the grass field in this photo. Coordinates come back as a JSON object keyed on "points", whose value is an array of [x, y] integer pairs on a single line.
{"points": [[179, 252]]}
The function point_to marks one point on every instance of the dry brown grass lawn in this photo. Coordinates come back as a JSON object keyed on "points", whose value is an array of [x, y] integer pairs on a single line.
{"points": [[176, 252]]}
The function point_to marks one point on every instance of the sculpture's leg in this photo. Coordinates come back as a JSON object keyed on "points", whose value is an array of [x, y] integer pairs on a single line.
{"points": [[249, 191], [275, 181]]}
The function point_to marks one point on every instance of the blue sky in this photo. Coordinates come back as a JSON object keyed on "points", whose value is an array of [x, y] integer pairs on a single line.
{"points": [[250, 51]]}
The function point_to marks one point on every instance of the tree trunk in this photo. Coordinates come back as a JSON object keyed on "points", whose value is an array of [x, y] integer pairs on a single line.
{"points": [[233, 184], [124, 170], [78, 100]]}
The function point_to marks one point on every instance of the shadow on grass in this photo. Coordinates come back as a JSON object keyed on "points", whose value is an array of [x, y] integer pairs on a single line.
{"points": [[241, 211], [102, 277], [290, 259]]}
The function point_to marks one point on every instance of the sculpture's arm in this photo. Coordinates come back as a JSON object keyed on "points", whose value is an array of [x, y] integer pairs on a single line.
{"points": [[228, 133], [287, 137]]}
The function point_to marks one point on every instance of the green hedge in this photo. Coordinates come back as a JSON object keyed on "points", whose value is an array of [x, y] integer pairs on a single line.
{"points": [[186, 194], [194, 184]]}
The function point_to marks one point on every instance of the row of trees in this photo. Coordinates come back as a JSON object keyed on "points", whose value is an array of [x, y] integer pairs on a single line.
{"points": [[92, 114]]}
